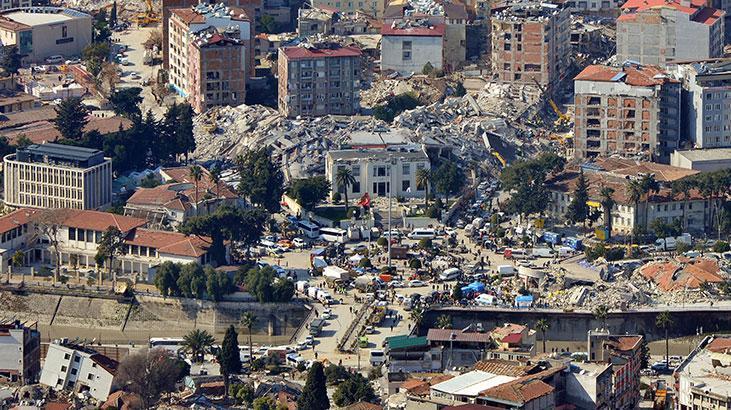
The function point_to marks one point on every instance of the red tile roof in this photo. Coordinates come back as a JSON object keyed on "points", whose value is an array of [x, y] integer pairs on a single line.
{"points": [[720, 345], [500, 332], [188, 15], [504, 367], [15, 219], [524, 389], [173, 243], [627, 343], [697, 9], [512, 338], [99, 221], [45, 131], [436, 30], [302, 53], [445, 335], [642, 76], [673, 276]]}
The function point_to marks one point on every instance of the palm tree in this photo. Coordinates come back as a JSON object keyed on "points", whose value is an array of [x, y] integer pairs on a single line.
{"points": [[197, 343], [682, 186], [197, 174], [416, 316], [542, 326], [634, 194], [600, 313], [664, 321], [607, 201], [422, 180], [444, 322], [345, 179], [649, 185], [215, 178], [247, 321]]}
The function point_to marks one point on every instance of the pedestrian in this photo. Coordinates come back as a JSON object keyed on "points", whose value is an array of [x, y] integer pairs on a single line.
{"points": [[315, 355], [391, 328]]}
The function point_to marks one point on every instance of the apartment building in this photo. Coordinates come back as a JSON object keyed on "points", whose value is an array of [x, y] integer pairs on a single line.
{"points": [[408, 45], [330, 21], [702, 379], [319, 79], [707, 102], [14, 4], [78, 368], [20, 353], [251, 7], [589, 385], [374, 8], [57, 176], [190, 25], [626, 110], [624, 353], [452, 15], [40, 32], [216, 69], [375, 170], [594, 7], [530, 43], [660, 31], [615, 173]]}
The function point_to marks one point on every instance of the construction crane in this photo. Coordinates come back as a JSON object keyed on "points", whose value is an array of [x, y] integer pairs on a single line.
{"points": [[563, 119], [148, 17]]}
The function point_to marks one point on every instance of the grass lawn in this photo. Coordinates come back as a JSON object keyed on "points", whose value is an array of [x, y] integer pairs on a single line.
{"points": [[333, 213]]}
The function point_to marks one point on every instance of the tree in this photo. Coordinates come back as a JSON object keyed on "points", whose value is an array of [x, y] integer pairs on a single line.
{"points": [[71, 118], [184, 137], [229, 358], [196, 173], [444, 322], [268, 24], [649, 185], [197, 342], [542, 325], [634, 194], [126, 102], [457, 294], [417, 315], [10, 60], [149, 373], [721, 246], [525, 180], [18, 259], [665, 321], [191, 282], [262, 284], [428, 68], [607, 200], [314, 394], [394, 106], [262, 181], [335, 374], [247, 320], [355, 389], [94, 55], [600, 313], [309, 192], [267, 403], [48, 224], [166, 278], [22, 141], [578, 210], [345, 179], [422, 182], [111, 245], [113, 14], [215, 177], [448, 179]]}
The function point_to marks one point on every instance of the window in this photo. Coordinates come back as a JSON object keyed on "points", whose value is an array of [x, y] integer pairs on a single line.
{"points": [[64, 32], [406, 169], [64, 368], [356, 170], [77, 359], [66, 356], [72, 234], [406, 186], [74, 371], [356, 187], [90, 376]]}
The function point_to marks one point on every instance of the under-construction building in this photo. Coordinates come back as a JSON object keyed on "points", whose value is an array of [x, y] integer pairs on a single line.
{"points": [[531, 43]]}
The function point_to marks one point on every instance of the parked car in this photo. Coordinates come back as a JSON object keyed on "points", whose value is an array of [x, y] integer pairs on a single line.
{"points": [[416, 283], [55, 59]]}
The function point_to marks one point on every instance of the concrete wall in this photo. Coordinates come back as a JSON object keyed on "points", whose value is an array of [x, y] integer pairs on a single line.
{"points": [[423, 50], [573, 326], [45, 39]]}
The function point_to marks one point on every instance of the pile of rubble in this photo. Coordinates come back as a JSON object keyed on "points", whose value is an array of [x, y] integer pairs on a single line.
{"points": [[429, 90]]}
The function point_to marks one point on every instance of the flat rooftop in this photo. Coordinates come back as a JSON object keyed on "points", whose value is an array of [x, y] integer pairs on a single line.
{"points": [[62, 151], [29, 18], [709, 368], [713, 154], [379, 154], [472, 383]]}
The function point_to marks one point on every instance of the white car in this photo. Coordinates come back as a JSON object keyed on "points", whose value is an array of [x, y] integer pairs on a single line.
{"points": [[416, 284], [298, 242], [396, 284], [56, 59], [310, 340], [370, 330]]}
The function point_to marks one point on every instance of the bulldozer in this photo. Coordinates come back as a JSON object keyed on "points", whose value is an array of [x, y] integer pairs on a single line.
{"points": [[148, 17]]}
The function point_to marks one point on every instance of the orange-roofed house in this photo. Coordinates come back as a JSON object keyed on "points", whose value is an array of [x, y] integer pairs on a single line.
{"points": [[319, 79], [660, 31], [628, 110], [624, 353]]}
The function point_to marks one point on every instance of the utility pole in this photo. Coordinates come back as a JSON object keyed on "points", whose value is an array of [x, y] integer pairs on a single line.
{"points": [[390, 190]]}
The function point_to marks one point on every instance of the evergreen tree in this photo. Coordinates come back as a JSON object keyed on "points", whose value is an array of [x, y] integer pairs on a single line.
{"points": [[578, 210], [71, 118], [185, 139], [229, 359], [262, 181], [126, 102], [113, 15], [10, 61], [314, 394], [110, 246], [356, 389]]}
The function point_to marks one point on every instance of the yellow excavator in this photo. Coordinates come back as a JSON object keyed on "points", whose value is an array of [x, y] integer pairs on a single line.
{"points": [[500, 158], [563, 119], [148, 17]]}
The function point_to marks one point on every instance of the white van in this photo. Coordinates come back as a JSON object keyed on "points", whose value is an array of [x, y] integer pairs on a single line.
{"points": [[378, 357], [422, 234], [450, 274], [55, 59]]}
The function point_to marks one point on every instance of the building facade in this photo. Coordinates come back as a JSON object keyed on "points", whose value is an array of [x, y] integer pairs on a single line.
{"points": [[78, 368], [58, 176], [702, 379], [375, 170], [190, 25], [319, 80], [407, 46], [658, 31], [530, 42], [14, 4], [706, 107], [40, 32], [703, 160], [373, 8], [624, 353], [216, 70], [20, 353], [627, 111]]}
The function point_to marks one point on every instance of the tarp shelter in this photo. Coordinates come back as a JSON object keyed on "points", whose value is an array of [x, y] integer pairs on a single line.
{"points": [[319, 262], [355, 259], [485, 300], [523, 301], [474, 287], [335, 272]]}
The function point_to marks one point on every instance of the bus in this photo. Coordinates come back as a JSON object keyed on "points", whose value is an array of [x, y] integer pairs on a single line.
{"points": [[334, 235], [172, 344], [309, 229]]}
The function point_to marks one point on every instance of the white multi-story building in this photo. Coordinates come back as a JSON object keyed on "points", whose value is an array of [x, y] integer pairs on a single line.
{"points": [[20, 353], [407, 46], [78, 368], [58, 176], [660, 31], [707, 108], [375, 170], [704, 376], [14, 4]]}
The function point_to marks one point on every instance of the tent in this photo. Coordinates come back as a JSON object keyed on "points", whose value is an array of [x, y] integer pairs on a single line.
{"points": [[335, 272], [474, 287], [355, 259], [523, 301]]}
